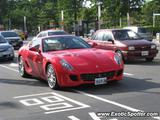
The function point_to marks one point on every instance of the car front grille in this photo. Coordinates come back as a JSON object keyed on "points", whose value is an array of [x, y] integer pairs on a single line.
{"points": [[91, 77], [143, 47]]}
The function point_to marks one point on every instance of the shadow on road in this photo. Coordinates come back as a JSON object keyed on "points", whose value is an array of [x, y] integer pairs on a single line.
{"points": [[127, 85], [155, 62], [28, 82]]}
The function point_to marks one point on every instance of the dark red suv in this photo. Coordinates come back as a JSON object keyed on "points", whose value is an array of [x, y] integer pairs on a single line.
{"points": [[125, 42]]}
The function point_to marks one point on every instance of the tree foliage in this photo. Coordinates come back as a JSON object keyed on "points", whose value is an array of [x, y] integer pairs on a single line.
{"points": [[44, 12]]}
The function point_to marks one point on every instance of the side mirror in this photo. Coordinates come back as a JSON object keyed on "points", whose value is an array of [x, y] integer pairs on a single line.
{"points": [[33, 49], [110, 40]]}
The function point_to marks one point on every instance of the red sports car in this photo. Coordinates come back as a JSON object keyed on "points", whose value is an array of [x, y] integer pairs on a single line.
{"points": [[67, 60]]}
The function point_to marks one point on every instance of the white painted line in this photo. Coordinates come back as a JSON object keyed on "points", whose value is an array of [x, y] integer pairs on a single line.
{"points": [[50, 99], [13, 65], [71, 100], [31, 102], [64, 110], [9, 68], [113, 103], [128, 74], [94, 116], [73, 118], [109, 101], [52, 106], [57, 95]]}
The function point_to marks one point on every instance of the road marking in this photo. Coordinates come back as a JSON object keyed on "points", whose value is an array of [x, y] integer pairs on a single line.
{"points": [[13, 65], [8, 68], [73, 118], [94, 116], [60, 106], [128, 74], [109, 101], [31, 102], [113, 103], [52, 103]]}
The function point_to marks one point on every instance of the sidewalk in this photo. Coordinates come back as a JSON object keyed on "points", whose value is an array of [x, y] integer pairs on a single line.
{"points": [[156, 42]]}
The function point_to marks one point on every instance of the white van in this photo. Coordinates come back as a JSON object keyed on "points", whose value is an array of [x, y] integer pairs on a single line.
{"points": [[143, 32]]}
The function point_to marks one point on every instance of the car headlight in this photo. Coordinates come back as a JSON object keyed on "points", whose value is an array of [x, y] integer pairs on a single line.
{"points": [[131, 48], [118, 59], [10, 49], [153, 46], [66, 65]]}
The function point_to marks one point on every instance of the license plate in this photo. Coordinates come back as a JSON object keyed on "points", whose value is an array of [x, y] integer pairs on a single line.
{"points": [[100, 81], [144, 53]]}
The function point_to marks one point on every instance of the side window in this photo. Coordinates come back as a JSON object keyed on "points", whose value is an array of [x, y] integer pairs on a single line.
{"points": [[99, 36], [107, 36], [94, 36], [35, 43], [40, 35]]}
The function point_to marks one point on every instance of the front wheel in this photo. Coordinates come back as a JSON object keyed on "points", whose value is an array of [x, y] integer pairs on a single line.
{"points": [[51, 77], [149, 59], [21, 68]]}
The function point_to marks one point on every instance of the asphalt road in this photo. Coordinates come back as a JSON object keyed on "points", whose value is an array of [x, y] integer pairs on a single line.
{"points": [[32, 99]]}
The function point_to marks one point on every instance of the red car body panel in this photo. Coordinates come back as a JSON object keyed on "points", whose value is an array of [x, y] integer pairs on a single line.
{"points": [[140, 45], [84, 61]]}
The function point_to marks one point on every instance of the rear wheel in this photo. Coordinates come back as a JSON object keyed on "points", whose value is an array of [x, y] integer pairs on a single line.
{"points": [[21, 68], [149, 59], [51, 77]]}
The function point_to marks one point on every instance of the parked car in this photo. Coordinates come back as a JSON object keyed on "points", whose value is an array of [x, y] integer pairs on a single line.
{"points": [[6, 50], [68, 61], [143, 32], [50, 32], [20, 33], [128, 44], [13, 38]]}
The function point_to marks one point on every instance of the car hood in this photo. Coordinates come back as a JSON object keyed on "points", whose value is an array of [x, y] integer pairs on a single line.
{"points": [[136, 42], [90, 60], [4, 46]]}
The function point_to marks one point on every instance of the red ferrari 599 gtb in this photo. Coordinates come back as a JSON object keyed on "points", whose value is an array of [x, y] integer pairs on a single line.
{"points": [[67, 60]]}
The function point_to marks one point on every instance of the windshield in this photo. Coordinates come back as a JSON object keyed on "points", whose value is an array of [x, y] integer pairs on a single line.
{"points": [[2, 40], [57, 33], [125, 35], [9, 34], [63, 43], [142, 30]]}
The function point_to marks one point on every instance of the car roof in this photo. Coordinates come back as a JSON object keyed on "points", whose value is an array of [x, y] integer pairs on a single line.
{"points": [[110, 29], [53, 30], [57, 36]]}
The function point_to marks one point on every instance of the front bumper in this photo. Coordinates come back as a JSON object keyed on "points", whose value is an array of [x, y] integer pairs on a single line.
{"points": [[74, 79], [137, 54], [6, 54]]}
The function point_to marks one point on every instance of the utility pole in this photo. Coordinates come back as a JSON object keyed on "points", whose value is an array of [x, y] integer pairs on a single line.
{"points": [[25, 25], [99, 14], [62, 19], [128, 19]]}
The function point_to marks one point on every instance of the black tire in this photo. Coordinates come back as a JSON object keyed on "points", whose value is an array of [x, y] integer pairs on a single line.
{"points": [[21, 68], [51, 77], [149, 59]]}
